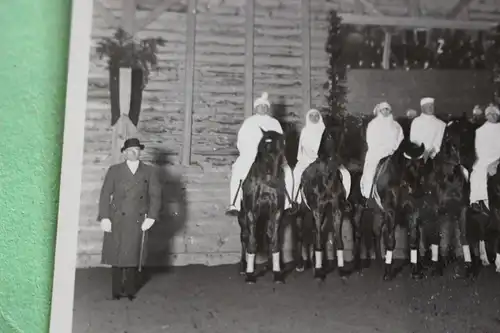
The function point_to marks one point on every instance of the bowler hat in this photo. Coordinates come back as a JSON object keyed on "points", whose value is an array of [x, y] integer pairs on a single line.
{"points": [[132, 142]]}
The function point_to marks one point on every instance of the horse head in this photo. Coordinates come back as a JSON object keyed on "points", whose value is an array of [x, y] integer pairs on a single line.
{"points": [[271, 149], [458, 143], [413, 164], [330, 143]]}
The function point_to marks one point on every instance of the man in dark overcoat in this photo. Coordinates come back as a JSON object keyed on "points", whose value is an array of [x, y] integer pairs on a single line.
{"points": [[129, 205]]}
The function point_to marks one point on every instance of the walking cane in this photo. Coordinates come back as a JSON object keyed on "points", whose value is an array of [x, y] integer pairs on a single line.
{"points": [[141, 257]]}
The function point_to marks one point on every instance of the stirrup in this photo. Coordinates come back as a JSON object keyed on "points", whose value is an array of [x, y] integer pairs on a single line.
{"points": [[232, 211]]}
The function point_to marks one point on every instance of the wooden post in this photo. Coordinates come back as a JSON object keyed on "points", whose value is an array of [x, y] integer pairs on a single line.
{"points": [[249, 58], [189, 83], [127, 21], [306, 55], [386, 57]]}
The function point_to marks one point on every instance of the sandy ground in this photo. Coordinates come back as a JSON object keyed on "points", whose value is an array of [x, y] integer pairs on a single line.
{"points": [[216, 299]]}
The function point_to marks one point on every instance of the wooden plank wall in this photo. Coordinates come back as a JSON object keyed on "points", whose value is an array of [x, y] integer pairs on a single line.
{"points": [[194, 227], [160, 125]]}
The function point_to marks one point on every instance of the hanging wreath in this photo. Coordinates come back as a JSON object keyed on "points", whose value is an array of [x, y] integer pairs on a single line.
{"points": [[123, 51]]}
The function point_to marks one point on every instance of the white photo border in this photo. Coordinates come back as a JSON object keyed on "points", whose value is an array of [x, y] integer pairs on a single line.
{"points": [[63, 286]]}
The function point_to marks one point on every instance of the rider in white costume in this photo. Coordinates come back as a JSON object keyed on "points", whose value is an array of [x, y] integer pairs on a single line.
{"points": [[247, 143], [427, 129], [310, 139], [487, 145], [383, 137]]}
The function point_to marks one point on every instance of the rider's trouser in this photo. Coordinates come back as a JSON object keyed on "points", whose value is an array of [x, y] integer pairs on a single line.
{"points": [[369, 169]]}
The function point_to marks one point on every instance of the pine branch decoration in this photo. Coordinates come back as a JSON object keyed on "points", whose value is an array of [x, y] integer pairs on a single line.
{"points": [[336, 84], [123, 50]]}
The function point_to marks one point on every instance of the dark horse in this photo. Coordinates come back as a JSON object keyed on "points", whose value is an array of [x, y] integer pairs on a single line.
{"points": [[453, 165], [386, 211], [263, 205], [324, 195]]}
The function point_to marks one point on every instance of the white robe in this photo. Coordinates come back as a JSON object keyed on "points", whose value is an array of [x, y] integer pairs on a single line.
{"points": [[247, 143], [487, 146], [383, 136], [429, 130], [310, 139]]}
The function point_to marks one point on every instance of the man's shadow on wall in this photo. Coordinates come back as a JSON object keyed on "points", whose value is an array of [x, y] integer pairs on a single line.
{"points": [[173, 217], [290, 130]]}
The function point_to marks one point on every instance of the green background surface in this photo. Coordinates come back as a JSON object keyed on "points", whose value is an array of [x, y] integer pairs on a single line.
{"points": [[34, 37]]}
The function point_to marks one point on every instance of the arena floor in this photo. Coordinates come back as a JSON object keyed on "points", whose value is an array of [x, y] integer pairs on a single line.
{"points": [[216, 299]]}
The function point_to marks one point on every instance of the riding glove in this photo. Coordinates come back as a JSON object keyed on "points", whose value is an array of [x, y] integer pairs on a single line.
{"points": [[106, 225]]}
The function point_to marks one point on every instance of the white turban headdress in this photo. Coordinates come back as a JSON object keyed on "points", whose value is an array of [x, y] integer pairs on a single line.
{"points": [[411, 113], [262, 100], [492, 109], [477, 111], [380, 106], [426, 100]]}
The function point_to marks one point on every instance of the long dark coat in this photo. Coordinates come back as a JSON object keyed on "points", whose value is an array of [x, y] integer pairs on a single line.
{"points": [[125, 199]]}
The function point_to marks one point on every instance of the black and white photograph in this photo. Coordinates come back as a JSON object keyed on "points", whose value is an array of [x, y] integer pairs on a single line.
{"points": [[280, 166]]}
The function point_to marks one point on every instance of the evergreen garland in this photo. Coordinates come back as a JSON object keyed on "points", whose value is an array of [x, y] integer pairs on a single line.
{"points": [[123, 50], [337, 77], [493, 61]]}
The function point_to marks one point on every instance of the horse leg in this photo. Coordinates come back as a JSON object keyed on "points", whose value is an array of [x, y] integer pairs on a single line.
{"points": [[244, 241], [356, 236], [414, 244], [276, 246], [444, 238], [497, 250], [389, 231], [377, 236], [338, 222], [244, 232], [318, 236], [483, 255], [329, 248], [299, 241], [468, 266], [251, 248]]}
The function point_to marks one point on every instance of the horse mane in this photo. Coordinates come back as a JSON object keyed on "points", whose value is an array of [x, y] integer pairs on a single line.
{"points": [[411, 149], [460, 127], [328, 149], [269, 161]]}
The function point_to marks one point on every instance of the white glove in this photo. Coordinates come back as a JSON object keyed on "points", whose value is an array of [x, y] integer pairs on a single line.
{"points": [[106, 225], [148, 223]]}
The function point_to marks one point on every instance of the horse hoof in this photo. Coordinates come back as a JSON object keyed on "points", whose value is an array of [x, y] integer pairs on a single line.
{"points": [[416, 273], [300, 268], [278, 278], [343, 272], [243, 267], [330, 265], [437, 270], [319, 274], [388, 273], [251, 278]]}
